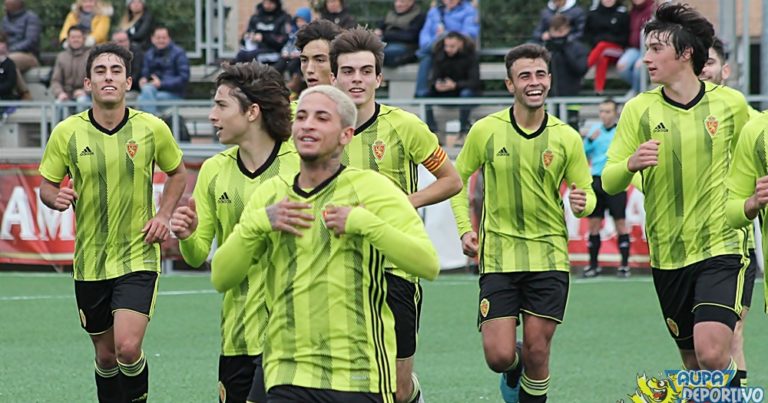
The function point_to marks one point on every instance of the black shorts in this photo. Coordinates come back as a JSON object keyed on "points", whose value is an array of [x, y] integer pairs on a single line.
{"points": [[615, 204], [98, 300], [706, 291], [749, 280], [404, 300], [504, 295], [241, 379], [298, 394]]}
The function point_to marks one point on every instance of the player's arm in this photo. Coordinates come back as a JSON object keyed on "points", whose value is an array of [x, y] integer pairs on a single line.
{"points": [[169, 159], [53, 167], [448, 182], [747, 190], [195, 223], [579, 178], [469, 160], [623, 153]]}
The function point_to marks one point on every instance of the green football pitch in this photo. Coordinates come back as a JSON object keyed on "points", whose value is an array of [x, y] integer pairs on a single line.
{"points": [[613, 331]]}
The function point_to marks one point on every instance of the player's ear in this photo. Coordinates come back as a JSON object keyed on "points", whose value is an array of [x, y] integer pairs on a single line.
{"points": [[254, 111], [87, 84], [725, 72], [346, 135]]}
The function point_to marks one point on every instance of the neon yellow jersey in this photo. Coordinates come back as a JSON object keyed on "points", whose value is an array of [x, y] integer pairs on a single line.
{"points": [[112, 173], [523, 223], [224, 185]]}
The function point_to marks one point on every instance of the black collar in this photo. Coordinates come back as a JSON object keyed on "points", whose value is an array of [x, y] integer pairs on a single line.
{"points": [[611, 127], [521, 132], [260, 170], [105, 130], [299, 191], [370, 121], [689, 105]]}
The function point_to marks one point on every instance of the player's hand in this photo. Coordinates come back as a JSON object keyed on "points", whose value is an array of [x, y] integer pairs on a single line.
{"points": [[578, 199], [469, 243], [647, 155], [184, 220], [759, 199], [156, 230], [336, 218], [288, 217], [65, 198]]}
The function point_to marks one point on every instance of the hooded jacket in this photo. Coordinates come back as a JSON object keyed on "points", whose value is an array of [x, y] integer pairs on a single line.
{"points": [[271, 25]]}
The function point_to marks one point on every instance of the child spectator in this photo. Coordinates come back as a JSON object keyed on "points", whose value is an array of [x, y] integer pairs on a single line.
{"points": [[576, 16]]}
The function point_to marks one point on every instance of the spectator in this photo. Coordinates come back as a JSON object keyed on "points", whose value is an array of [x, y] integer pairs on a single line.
{"points": [[569, 58], [93, 19], [289, 60], [576, 16], [22, 28], [122, 39], [266, 34], [455, 73], [69, 71], [137, 23], [607, 29], [630, 63], [400, 32], [8, 76], [450, 15], [165, 72], [334, 11]]}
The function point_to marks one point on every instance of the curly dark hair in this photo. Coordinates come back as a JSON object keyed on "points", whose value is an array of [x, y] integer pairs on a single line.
{"points": [[318, 29], [684, 28], [526, 51]]}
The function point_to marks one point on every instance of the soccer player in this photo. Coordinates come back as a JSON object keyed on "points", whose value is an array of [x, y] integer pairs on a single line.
{"points": [[596, 142], [716, 70], [251, 112], [392, 142], [110, 152], [323, 237], [314, 42], [679, 136], [525, 154]]}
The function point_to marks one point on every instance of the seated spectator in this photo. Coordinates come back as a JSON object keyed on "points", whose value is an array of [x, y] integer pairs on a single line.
{"points": [[22, 28], [121, 38], [165, 72], [455, 73], [93, 19], [569, 58], [7, 76], [576, 15], [137, 23], [400, 31], [69, 70], [630, 63], [335, 12], [450, 15], [289, 58], [607, 30], [266, 33]]}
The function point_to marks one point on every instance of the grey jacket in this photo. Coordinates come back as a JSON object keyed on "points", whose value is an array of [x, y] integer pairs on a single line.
{"points": [[23, 29]]}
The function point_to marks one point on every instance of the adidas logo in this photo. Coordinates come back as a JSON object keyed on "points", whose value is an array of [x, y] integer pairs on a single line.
{"points": [[503, 152], [224, 198], [660, 128], [86, 151]]}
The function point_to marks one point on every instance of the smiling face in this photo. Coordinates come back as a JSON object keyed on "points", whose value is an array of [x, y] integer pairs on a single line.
{"points": [[227, 117], [357, 77], [530, 82], [715, 71], [315, 63], [318, 131], [108, 82]]}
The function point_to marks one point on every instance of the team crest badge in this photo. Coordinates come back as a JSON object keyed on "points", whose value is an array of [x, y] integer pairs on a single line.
{"points": [[378, 149], [673, 327], [485, 306], [82, 318], [131, 147], [547, 157], [711, 123]]}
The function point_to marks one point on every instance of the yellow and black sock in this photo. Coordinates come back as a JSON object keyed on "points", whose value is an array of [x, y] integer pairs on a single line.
{"points": [[108, 385], [514, 371], [533, 391], [623, 242], [593, 244], [135, 379], [742, 375]]}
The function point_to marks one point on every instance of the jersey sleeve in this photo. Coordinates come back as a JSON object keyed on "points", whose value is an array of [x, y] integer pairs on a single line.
{"points": [[391, 224], [616, 176], [249, 238], [167, 152], [469, 160], [53, 166], [740, 117], [577, 172], [196, 247], [745, 169]]}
